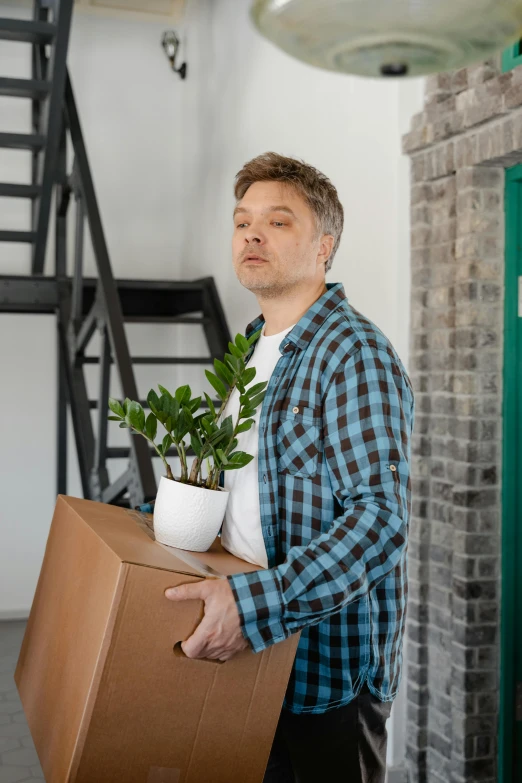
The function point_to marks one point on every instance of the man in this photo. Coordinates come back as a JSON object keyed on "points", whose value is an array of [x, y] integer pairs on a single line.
{"points": [[328, 514]]}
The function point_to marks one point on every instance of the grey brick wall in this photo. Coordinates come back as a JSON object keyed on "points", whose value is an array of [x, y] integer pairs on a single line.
{"points": [[469, 131]]}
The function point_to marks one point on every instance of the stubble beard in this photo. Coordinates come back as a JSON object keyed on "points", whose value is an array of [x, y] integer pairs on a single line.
{"points": [[268, 287]]}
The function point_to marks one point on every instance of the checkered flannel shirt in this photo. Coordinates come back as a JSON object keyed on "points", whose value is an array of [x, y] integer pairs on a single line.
{"points": [[335, 497]]}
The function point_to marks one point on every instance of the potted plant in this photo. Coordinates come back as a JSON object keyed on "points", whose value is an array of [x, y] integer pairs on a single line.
{"points": [[189, 508]]}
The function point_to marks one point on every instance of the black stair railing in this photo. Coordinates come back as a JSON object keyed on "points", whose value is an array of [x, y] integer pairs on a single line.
{"points": [[48, 34], [47, 116], [76, 330]]}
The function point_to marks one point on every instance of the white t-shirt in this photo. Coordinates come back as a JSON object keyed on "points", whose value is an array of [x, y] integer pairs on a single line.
{"points": [[241, 533]]}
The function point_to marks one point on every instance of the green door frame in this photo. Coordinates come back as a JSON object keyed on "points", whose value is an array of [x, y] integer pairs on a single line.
{"points": [[510, 731]]}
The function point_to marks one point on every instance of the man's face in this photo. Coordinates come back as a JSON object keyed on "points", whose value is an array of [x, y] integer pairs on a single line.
{"points": [[275, 245]]}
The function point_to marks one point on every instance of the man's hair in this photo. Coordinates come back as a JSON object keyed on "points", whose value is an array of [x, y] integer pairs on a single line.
{"points": [[314, 186]]}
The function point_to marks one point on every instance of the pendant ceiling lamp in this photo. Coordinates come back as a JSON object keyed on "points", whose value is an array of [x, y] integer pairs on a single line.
{"points": [[389, 37]]}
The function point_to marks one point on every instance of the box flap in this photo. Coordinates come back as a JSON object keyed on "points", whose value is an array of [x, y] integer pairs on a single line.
{"points": [[130, 536]]}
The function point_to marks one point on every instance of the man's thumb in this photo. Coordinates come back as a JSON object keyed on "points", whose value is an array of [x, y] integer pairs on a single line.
{"points": [[184, 592]]}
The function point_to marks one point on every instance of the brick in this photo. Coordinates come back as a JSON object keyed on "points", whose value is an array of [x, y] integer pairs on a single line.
{"points": [[474, 635], [513, 97], [474, 589]]}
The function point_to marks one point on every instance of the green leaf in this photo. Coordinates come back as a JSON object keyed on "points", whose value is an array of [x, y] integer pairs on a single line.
{"points": [[218, 436], [248, 376], [242, 343], [135, 417], [217, 384], [223, 372], [164, 391], [246, 413], [123, 425], [254, 337], [151, 426], [222, 456], [254, 401], [153, 402], [194, 404], [245, 426], [183, 394], [162, 410], [116, 408], [114, 418], [240, 458], [238, 463], [126, 403], [258, 387], [196, 444], [211, 406], [232, 362], [166, 444], [227, 425], [235, 351], [207, 426]]}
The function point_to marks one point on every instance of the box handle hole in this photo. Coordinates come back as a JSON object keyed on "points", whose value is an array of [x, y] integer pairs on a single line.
{"points": [[178, 653]]}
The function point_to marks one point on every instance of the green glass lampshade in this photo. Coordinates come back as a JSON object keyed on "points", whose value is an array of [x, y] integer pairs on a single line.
{"points": [[389, 37]]}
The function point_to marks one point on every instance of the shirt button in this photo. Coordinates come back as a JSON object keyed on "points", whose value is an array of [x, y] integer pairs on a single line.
{"points": [[295, 409], [264, 478], [392, 467]]}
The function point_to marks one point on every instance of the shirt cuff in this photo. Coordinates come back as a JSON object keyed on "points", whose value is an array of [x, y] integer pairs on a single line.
{"points": [[259, 600]]}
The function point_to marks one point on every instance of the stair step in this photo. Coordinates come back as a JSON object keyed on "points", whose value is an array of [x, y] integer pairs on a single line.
{"points": [[122, 452], [154, 360], [27, 31], [24, 88], [19, 191], [162, 319], [93, 404], [17, 236], [22, 141]]}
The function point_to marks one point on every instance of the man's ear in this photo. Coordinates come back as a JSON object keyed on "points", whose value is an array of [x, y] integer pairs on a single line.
{"points": [[326, 244]]}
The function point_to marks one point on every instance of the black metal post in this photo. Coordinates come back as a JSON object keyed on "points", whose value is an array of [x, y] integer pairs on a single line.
{"points": [[77, 292], [100, 457], [61, 417]]}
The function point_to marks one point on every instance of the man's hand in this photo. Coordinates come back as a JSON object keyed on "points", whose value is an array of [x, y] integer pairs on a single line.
{"points": [[218, 636]]}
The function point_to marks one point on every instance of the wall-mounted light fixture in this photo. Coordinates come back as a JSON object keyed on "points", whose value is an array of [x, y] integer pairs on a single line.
{"points": [[171, 44]]}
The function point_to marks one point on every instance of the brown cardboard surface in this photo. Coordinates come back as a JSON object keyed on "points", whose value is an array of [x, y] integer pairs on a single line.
{"points": [[105, 696]]}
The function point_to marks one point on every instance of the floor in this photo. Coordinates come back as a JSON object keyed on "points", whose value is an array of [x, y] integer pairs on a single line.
{"points": [[18, 759]]}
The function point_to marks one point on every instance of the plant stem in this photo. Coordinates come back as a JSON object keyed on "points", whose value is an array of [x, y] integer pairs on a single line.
{"points": [[167, 466], [183, 459]]}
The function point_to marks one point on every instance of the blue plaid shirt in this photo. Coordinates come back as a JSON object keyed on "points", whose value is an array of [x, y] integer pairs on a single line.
{"points": [[335, 497]]}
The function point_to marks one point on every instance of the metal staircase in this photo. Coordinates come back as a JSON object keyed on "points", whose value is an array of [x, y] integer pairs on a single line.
{"points": [[84, 305]]}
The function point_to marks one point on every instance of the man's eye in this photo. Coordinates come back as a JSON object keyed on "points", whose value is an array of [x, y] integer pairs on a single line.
{"points": [[278, 223], [240, 225]]}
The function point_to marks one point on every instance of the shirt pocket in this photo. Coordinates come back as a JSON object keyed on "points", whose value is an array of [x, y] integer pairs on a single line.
{"points": [[298, 440]]}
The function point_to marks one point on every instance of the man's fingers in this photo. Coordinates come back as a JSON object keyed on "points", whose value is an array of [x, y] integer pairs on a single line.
{"points": [[196, 645], [187, 592]]}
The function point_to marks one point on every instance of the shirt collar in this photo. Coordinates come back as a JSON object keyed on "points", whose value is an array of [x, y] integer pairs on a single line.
{"points": [[310, 322]]}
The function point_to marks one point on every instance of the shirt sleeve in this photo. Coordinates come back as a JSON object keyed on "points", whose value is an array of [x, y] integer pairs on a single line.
{"points": [[367, 422]]}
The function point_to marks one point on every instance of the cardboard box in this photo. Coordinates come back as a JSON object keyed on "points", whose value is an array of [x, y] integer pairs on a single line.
{"points": [[107, 697]]}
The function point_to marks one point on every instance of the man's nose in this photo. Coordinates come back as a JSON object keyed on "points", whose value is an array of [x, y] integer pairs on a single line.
{"points": [[254, 235]]}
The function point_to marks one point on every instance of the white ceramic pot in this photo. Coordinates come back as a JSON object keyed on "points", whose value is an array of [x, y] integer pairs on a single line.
{"points": [[188, 517]]}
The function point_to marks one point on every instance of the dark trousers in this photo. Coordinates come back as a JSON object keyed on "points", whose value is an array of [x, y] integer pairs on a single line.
{"points": [[343, 745]]}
